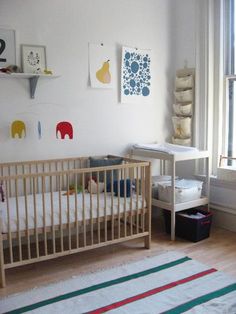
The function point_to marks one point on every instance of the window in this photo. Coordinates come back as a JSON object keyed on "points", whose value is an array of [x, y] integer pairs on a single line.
{"points": [[229, 138]]}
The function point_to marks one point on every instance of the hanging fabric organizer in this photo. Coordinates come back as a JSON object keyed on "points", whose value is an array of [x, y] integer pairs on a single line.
{"points": [[183, 107]]}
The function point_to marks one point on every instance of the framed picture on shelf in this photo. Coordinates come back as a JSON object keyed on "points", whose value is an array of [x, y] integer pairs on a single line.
{"points": [[33, 59], [7, 47]]}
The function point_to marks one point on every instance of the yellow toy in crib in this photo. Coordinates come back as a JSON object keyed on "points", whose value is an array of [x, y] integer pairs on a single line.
{"points": [[72, 190]]}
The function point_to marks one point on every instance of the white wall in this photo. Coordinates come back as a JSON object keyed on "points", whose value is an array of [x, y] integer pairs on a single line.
{"points": [[183, 52], [183, 28], [101, 124]]}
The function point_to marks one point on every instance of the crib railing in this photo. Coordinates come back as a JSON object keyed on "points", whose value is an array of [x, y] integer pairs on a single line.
{"points": [[44, 217]]}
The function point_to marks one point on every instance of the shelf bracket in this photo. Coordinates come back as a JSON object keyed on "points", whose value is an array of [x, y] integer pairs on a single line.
{"points": [[33, 84]]}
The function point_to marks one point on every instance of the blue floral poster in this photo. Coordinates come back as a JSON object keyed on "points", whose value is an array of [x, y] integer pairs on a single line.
{"points": [[136, 75]]}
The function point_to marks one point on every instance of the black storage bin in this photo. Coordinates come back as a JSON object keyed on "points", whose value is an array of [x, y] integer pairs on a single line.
{"points": [[190, 228]]}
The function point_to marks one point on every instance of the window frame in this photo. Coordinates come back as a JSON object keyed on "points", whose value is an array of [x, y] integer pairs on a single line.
{"points": [[229, 18]]}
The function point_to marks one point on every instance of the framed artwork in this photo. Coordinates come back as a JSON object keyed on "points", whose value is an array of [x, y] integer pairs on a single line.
{"points": [[7, 47], [33, 59], [136, 75], [102, 65]]}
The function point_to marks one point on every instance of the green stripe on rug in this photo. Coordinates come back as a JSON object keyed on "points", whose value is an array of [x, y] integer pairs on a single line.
{"points": [[203, 299], [99, 286]]}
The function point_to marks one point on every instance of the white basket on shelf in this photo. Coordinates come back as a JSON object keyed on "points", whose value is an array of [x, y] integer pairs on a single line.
{"points": [[185, 190]]}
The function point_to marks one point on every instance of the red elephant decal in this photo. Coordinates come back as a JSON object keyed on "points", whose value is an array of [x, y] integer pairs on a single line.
{"points": [[65, 128]]}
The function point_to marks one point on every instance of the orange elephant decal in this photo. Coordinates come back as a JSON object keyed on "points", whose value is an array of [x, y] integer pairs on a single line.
{"points": [[18, 129], [65, 128]]}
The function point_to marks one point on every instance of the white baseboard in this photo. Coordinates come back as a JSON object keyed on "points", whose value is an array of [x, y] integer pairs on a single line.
{"points": [[224, 217]]}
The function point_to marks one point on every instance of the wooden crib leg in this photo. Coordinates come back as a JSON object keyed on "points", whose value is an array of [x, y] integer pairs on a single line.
{"points": [[148, 218], [147, 242]]}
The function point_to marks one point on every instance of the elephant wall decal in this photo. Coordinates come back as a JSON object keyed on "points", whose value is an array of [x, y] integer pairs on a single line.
{"points": [[65, 128], [18, 129]]}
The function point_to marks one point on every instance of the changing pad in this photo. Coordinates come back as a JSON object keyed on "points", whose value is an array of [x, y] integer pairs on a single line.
{"points": [[167, 148]]}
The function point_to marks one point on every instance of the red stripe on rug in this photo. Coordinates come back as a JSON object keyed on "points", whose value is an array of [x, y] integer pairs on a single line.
{"points": [[152, 292]]}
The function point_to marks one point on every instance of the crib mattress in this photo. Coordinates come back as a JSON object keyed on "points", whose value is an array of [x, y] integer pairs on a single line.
{"points": [[51, 200]]}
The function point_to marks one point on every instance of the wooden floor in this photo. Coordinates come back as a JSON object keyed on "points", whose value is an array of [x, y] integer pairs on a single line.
{"points": [[218, 251]]}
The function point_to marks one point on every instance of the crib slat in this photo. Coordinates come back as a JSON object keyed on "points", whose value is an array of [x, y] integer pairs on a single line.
{"points": [[52, 216], [44, 217], [9, 173], [18, 220], [143, 198], [57, 177], [137, 199], [68, 210], [37, 181], [125, 199], [35, 217], [9, 220], [105, 203], [98, 209], [60, 213], [75, 178], [83, 209], [26, 218], [131, 200], [30, 171], [76, 211], [91, 210], [62, 169], [118, 203], [112, 205]]}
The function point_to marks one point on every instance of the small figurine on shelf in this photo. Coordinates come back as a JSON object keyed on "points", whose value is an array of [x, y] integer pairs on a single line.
{"points": [[11, 69], [48, 72]]}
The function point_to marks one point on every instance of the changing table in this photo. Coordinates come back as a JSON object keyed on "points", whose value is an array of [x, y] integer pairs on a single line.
{"points": [[173, 154]]}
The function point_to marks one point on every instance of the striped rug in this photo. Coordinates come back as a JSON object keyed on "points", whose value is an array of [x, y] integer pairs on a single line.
{"points": [[168, 283]]}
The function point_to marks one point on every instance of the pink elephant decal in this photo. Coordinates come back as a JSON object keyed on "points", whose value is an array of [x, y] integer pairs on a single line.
{"points": [[65, 128]]}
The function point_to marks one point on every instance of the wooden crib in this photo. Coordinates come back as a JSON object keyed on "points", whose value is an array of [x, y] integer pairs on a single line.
{"points": [[48, 212]]}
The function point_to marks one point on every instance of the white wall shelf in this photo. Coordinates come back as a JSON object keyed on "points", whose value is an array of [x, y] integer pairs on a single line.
{"points": [[33, 79]]}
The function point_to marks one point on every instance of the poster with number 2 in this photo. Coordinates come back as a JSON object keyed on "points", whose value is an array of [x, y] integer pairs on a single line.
{"points": [[7, 48]]}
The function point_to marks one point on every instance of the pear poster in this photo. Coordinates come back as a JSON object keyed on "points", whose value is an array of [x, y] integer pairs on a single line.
{"points": [[136, 77], [101, 65]]}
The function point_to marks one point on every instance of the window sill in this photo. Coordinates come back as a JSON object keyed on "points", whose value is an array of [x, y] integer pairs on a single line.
{"points": [[223, 183], [227, 173], [219, 182]]}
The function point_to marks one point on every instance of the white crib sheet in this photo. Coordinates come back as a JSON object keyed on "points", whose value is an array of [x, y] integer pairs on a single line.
{"points": [[56, 210]]}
